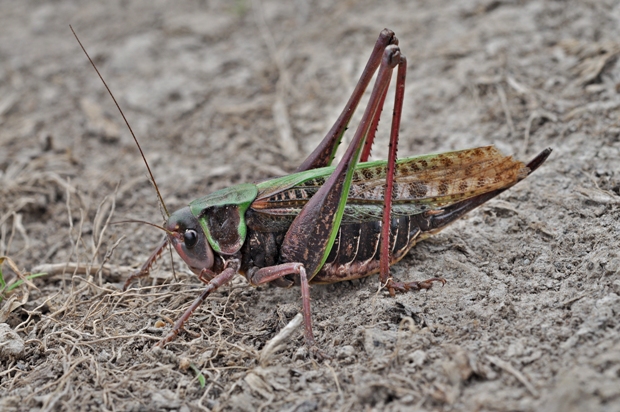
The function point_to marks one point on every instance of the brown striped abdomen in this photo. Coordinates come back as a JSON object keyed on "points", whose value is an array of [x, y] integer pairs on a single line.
{"points": [[355, 253]]}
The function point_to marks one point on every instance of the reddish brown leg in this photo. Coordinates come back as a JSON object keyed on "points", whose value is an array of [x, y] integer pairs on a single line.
{"points": [[389, 174], [268, 274], [146, 267], [384, 264], [373, 131], [206, 275], [215, 283], [325, 151]]}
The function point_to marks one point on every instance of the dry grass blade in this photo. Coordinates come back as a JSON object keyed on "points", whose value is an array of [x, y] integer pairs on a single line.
{"points": [[510, 369], [15, 269], [277, 341], [82, 269]]}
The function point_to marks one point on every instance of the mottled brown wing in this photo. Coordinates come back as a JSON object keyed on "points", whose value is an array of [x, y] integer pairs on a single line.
{"points": [[422, 183]]}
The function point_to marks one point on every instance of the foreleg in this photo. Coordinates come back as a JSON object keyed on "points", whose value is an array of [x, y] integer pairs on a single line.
{"points": [[219, 280]]}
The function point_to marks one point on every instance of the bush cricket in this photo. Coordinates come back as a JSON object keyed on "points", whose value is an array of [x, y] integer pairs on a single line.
{"points": [[326, 224]]}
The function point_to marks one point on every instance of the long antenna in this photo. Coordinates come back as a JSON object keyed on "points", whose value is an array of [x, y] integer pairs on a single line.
{"points": [[126, 122], [144, 223]]}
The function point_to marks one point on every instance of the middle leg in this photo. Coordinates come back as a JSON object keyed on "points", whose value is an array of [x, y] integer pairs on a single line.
{"points": [[271, 273]]}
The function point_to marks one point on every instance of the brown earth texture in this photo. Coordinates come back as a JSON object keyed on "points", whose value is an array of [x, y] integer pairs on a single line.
{"points": [[222, 92]]}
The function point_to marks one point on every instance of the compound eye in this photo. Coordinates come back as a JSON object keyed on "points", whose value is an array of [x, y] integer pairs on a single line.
{"points": [[190, 238]]}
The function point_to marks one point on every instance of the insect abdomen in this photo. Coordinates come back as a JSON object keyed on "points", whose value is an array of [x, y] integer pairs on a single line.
{"points": [[355, 253]]}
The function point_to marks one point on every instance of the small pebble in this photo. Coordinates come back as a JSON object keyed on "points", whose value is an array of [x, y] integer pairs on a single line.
{"points": [[418, 357], [11, 345], [346, 352], [184, 364], [301, 354]]}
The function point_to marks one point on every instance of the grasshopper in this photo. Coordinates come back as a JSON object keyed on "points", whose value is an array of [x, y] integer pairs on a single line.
{"points": [[326, 224]]}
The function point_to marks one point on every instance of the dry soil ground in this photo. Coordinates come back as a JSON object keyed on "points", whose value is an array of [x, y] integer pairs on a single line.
{"points": [[226, 92]]}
